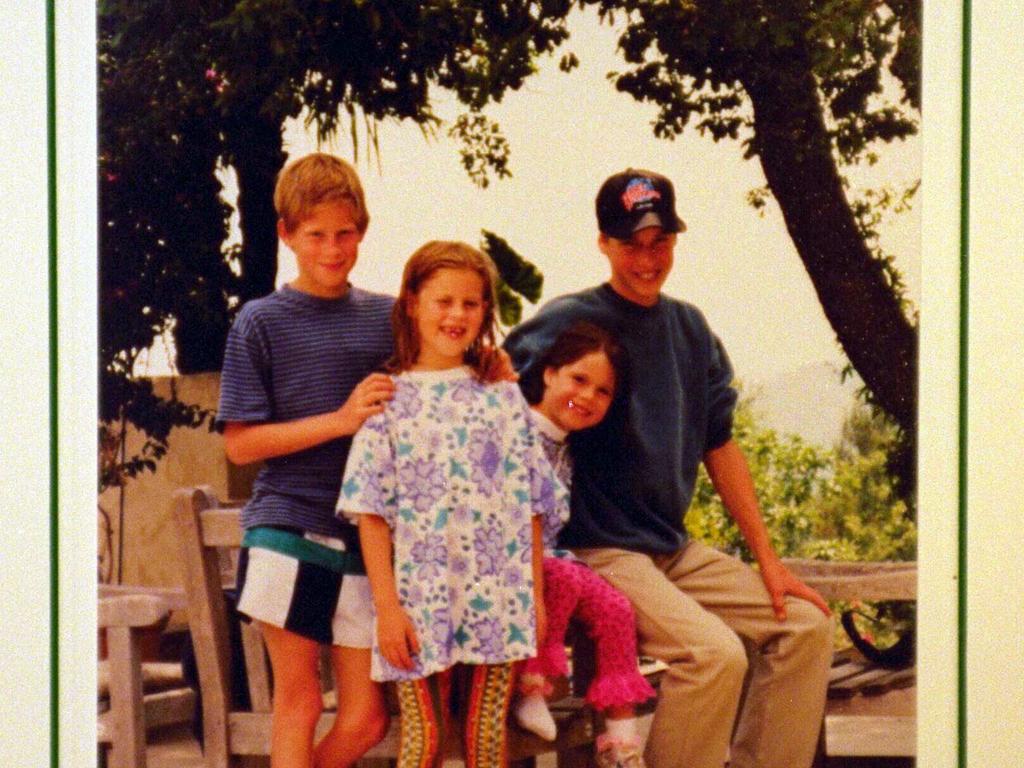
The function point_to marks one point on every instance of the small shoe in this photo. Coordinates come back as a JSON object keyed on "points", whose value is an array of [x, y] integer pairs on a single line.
{"points": [[532, 714], [618, 754]]}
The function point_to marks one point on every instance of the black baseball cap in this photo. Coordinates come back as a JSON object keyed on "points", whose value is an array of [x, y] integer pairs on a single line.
{"points": [[634, 199]]}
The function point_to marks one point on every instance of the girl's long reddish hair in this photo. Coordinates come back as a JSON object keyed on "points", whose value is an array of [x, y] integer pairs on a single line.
{"points": [[428, 259]]}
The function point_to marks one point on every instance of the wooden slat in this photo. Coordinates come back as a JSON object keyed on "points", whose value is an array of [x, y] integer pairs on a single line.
{"points": [[896, 678], [156, 676], [256, 667], [845, 671], [845, 568], [856, 683], [131, 611], [836, 580], [894, 701], [174, 597], [207, 622], [126, 715], [852, 679], [896, 586], [870, 736], [222, 527], [159, 710], [171, 707]]}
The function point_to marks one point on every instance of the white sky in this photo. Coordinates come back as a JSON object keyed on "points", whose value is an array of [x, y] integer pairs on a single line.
{"points": [[567, 134]]}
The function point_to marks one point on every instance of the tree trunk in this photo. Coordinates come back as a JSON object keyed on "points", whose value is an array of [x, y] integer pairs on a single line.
{"points": [[256, 151], [200, 305], [200, 333], [792, 142]]}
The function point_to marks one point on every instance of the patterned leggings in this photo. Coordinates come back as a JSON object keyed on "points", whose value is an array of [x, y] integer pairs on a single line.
{"points": [[571, 589], [425, 707]]}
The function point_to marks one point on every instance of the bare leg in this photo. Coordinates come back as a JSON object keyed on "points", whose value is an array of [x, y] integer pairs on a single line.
{"points": [[297, 700], [362, 718]]}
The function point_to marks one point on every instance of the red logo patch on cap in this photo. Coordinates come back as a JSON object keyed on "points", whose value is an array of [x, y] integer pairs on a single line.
{"points": [[639, 191]]}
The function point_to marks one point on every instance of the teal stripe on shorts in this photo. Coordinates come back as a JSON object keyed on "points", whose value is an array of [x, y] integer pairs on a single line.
{"points": [[294, 545]]}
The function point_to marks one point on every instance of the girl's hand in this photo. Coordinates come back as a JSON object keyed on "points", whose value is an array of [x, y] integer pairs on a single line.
{"points": [[367, 399], [397, 637]]}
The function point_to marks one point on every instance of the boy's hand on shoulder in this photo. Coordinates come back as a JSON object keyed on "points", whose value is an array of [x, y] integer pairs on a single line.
{"points": [[367, 399], [498, 365]]}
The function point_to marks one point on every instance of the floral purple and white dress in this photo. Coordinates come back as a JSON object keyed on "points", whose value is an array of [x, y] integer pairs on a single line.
{"points": [[456, 469]]}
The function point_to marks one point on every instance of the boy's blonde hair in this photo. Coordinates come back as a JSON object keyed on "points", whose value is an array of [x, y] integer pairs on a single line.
{"points": [[428, 259], [318, 178]]}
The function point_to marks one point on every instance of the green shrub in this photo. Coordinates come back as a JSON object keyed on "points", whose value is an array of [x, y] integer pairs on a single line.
{"points": [[836, 503]]}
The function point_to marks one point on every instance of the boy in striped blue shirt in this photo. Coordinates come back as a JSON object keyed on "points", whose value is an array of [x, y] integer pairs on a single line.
{"points": [[297, 383]]}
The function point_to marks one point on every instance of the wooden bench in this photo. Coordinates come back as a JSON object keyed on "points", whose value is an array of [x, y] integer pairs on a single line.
{"points": [[125, 615], [870, 710], [210, 536]]}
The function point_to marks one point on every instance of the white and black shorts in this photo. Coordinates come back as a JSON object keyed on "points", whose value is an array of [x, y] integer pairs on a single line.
{"points": [[307, 584]]}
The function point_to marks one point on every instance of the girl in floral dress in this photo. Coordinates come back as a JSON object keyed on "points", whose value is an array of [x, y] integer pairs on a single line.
{"points": [[577, 382], [448, 486]]}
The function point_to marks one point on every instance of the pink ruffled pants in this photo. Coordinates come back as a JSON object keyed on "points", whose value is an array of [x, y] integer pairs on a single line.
{"points": [[572, 590]]}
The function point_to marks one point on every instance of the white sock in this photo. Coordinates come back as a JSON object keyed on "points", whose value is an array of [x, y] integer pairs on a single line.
{"points": [[621, 730], [532, 714]]}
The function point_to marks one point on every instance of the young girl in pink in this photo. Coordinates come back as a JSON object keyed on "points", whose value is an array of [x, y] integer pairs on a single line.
{"points": [[449, 485], [581, 372]]}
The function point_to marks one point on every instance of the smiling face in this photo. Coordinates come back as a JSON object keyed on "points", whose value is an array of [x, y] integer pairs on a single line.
{"points": [[640, 265], [326, 244], [577, 395], [448, 312]]}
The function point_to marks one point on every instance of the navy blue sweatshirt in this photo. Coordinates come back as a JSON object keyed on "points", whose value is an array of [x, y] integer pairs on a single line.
{"points": [[634, 473]]}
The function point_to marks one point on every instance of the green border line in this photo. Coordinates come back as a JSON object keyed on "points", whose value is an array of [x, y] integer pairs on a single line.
{"points": [[51, 153], [965, 203]]}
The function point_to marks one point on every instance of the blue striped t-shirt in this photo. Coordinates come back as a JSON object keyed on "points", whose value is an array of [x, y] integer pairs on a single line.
{"points": [[290, 355]]}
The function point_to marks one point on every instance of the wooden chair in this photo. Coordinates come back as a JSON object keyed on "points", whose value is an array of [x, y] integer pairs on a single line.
{"points": [[122, 728], [210, 536]]}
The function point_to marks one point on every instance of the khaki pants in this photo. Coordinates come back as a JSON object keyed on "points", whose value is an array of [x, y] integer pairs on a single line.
{"points": [[707, 615]]}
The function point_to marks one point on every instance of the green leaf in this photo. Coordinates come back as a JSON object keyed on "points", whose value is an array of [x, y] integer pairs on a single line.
{"points": [[518, 274]]}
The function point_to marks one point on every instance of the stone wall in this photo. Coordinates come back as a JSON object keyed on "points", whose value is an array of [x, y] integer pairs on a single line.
{"points": [[194, 457]]}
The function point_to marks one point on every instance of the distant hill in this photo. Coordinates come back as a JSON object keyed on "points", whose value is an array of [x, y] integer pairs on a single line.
{"points": [[809, 401]]}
